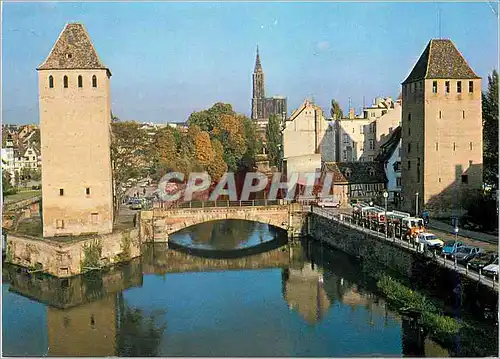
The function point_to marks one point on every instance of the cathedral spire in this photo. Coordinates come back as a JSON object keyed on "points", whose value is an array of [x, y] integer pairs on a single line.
{"points": [[258, 66]]}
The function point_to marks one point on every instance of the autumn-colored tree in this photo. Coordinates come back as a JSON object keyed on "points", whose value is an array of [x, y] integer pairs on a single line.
{"points": [[203, 151], [217, 167]]}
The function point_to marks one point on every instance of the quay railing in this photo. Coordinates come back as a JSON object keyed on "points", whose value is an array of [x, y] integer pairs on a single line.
{"points": [[443, 260]]}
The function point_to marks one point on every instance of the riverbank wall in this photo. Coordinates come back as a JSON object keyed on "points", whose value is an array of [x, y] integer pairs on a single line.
{"points": [[418, 270], [72, 256]]}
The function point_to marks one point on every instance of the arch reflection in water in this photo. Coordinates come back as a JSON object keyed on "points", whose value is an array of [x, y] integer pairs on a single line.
{"points": [[227, 235]]}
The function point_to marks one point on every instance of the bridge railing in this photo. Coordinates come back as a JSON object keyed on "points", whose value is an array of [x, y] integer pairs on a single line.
{"points": [[220, 204]]}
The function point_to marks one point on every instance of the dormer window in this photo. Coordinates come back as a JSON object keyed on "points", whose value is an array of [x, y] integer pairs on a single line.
{"points": [[371, 171], [69, 55], [347, 173]]}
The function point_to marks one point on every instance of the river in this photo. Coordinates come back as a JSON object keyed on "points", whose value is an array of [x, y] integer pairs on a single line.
{"points": [[307, 301]]}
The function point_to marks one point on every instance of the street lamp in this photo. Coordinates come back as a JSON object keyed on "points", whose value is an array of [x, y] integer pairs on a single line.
{"points": [[416, 204], [385, 216]]}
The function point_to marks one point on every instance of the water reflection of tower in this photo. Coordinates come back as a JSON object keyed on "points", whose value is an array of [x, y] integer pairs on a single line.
{"points": [[89, 329], [304, 292]]}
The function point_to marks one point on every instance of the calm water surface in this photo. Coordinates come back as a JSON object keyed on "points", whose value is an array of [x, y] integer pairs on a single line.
{"points": [[161, 306]]}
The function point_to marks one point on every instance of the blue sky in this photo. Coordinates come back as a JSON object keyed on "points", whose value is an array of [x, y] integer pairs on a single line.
{"points": [[170, 59]]}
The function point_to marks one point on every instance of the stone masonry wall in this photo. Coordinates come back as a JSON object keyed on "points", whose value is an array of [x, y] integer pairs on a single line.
{"points": [[65, 259]]}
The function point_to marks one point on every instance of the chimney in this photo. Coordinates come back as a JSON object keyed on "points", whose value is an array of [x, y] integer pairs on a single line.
{"points": [[351, 113]]}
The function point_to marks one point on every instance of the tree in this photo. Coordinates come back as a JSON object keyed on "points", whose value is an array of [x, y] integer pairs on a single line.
{"points": [[25, 176], [335, 110], [217, 167], [254, 145], [273, 139], [490, 131], [129, 156], [7, 187]]}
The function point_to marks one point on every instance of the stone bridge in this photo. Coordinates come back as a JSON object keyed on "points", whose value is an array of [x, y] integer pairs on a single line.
{"points": [[157, 224]]}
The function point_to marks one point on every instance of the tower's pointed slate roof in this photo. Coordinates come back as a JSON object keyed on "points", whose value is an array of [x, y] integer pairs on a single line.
{"points": [[258, 66], [73, 50], [441, 60]]}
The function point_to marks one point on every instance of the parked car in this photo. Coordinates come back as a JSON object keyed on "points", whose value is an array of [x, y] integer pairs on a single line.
{"points": [[136, 203], [464, 254], [450, 247], [482, 260], [431, 240], [492, 269], [329, 202]]}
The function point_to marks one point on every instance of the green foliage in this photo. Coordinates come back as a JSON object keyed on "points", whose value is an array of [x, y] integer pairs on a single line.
{"points": [[274, 141], [7, 188], [91, 255], [335, 110], [403, 297], [481, 210], [125, 254], [490, 131]]}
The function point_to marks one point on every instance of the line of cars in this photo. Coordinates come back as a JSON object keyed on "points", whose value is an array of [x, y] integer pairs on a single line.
{"points": [[412, 229]]}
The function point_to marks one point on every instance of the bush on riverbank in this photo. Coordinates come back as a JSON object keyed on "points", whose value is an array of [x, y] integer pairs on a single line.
{"points": [[404, 297]]}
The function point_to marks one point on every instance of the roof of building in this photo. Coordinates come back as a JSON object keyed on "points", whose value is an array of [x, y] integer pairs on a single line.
{"points": [[73, 50], [388, 148], [441, 60], [356, 172], [304, 105]]}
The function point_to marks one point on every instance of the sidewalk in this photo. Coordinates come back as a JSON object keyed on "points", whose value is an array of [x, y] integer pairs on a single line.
{"points": [[479, 236]]}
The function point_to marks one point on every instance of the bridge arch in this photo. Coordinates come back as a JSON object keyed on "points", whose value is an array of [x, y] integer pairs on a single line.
{"points": [[165, 222]]}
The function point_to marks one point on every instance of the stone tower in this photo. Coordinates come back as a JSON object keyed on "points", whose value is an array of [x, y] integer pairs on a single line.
{"points": [[75, 118], [258, 95], [442, 145]]}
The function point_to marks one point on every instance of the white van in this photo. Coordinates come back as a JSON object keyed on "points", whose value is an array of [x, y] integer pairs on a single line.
{"points": [[329, 202]]}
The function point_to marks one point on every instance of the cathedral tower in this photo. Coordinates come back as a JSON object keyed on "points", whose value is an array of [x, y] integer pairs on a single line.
{"points": [[75, 119], [258, 96]]}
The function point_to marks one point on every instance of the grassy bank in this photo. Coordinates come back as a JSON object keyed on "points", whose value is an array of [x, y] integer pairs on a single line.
{"points": [[443, 329], [19, 196]]}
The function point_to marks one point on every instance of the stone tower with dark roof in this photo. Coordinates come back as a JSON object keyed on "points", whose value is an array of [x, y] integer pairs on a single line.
{"points": [[75, 118], [441, 151]]}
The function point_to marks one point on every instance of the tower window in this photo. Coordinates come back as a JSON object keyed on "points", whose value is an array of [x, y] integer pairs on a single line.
{"points": [[80, 81], [470, 145], [94, 81], [59, 224], [61, 191], [459, 86], [87, 191], [409, 147], [434, 86], [454, 146], [65, 81], [51, 81], [471, 86], [437, 146], [95, 218], [409, 165], [463, 114], [447, 86], [465, 179], [440, 116]]}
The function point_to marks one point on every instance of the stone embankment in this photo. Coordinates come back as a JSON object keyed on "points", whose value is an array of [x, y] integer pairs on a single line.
{"points": [[75, 256]]}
